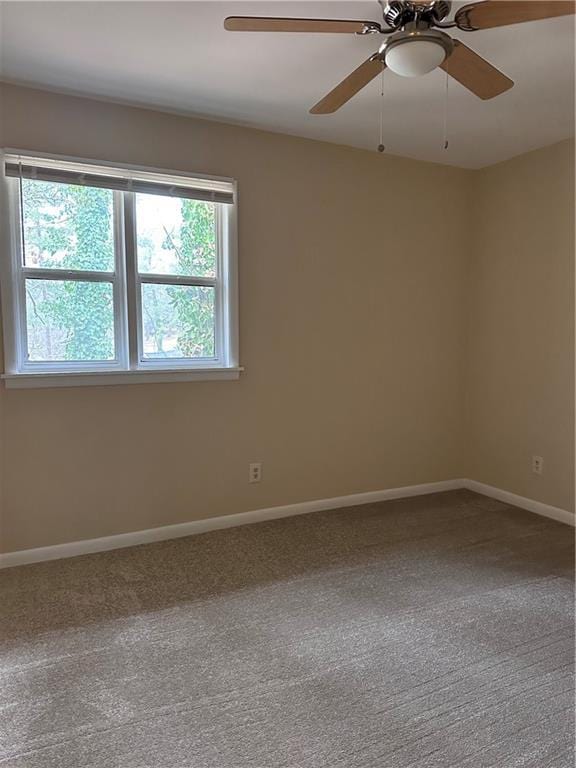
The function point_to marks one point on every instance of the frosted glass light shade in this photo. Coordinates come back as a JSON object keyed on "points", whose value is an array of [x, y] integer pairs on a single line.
{"points": [[415, 57]]}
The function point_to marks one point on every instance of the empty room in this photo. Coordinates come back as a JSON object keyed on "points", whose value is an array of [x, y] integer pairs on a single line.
{"points": [[287, 466]]}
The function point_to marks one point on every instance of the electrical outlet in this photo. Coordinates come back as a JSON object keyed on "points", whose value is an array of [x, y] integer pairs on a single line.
{"points": [[537, 465], [255, 472]]}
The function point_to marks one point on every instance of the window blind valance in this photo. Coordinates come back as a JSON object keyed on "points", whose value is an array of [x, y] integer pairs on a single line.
{"points": [[146, 182]]}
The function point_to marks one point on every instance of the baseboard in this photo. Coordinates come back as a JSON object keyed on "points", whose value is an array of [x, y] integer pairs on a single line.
{"points": [[119, 541], [89, 546], [556, 513]]}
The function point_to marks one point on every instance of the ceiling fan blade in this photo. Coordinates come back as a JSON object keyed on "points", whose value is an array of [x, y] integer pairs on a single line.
{"points": [[271, 24], [499, 13], [349, 86], [475, 73]]}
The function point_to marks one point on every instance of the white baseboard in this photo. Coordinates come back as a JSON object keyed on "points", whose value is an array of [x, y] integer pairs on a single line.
{"points": [[89, 546], [556, 513], [119, 541]]}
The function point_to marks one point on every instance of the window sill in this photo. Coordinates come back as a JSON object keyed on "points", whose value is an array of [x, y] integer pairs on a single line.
{"points": [[103, 378]]}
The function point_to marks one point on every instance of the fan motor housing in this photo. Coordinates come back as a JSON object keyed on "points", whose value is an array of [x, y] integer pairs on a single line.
{"points": [[441, 9], [399, 12], [393, 13]]}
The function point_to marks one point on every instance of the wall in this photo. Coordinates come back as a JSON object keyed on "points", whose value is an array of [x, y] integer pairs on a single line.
{"points": [[520, 349], [352, 276], [400, 323]]}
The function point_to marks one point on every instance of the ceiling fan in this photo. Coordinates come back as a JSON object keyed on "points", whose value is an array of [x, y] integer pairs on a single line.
{"points": [[415, 43]]}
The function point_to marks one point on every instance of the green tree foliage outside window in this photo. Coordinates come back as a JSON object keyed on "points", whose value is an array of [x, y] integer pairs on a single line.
{"points": [[197, 256], [178, 237], [68, 227], [72, 227]]}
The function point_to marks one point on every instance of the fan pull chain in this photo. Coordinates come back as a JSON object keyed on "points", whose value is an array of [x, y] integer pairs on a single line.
{"points": [[381, 146], [446, 114]]}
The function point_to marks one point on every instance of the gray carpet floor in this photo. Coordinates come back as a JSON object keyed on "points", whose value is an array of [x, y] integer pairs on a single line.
{"points": [[432, 632]]}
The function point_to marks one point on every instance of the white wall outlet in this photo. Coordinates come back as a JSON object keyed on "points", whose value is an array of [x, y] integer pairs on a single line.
{"points": [[255, 472], [537, 465]]}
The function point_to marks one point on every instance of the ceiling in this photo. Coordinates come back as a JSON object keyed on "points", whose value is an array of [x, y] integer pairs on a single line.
{"points": [[177, 56]]}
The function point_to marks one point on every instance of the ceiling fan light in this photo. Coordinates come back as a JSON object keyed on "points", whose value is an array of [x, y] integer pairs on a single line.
{"points": [[412, 58]]}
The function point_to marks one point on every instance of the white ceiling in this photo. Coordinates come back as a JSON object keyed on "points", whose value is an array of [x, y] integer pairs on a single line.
{"points": [[177, 56]]}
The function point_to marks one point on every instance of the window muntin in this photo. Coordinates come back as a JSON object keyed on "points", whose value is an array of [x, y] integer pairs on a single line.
{"points": [[118, 280]]}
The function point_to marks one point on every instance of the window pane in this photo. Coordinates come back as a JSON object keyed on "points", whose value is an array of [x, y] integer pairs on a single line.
{"points": [[178, 321], [67, 226], [69, 320], [176, 237]]}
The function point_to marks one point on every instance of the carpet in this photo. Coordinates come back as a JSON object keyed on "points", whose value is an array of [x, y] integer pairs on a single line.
{"points": [[430, 632]]}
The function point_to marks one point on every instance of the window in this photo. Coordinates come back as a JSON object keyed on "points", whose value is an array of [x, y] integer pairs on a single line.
{"points": [[116, 275]]}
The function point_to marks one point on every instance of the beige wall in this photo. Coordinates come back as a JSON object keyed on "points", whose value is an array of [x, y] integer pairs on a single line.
{"points": [[352, 268], [400, 323], [520, 349]]}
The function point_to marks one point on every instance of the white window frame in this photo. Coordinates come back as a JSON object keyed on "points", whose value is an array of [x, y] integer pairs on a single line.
{"points": [[130, 365]]}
